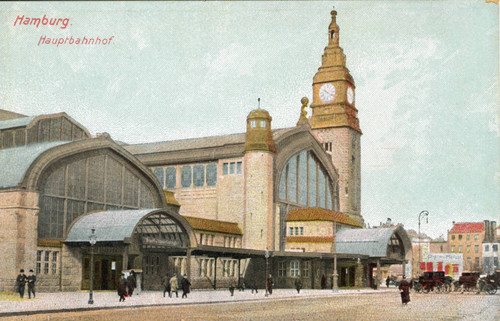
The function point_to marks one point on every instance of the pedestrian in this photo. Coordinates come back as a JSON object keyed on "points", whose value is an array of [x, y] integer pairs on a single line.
{"points": [[21, 283], [232, 285], [323, 282], [241, 285], [186, 286], [298, 284], [31, 279], [122, 288], [404, 288], [253, 285], [387, 281], [174, 285], [131, 283], [270, 284], [166, 286]]}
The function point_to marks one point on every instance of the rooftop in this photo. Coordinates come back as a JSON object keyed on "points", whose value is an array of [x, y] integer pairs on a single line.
{"points": [[195, 143], [203, 224], [468, 227], [320, 214]]}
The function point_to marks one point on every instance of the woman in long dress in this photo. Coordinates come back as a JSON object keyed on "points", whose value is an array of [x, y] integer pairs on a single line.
{"points": [[404, 288]]}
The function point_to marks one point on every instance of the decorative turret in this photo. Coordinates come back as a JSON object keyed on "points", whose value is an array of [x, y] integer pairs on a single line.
{"points": [[259, 136], [303, 113]]}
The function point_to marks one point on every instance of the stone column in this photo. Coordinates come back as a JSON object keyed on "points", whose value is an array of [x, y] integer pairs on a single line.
{"points": [[188, 264], [379, 275], [358, 281], [335, 274], [125, 258]]}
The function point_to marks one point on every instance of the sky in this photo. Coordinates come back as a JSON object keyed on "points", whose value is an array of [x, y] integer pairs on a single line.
{"points": [[426, 76]]}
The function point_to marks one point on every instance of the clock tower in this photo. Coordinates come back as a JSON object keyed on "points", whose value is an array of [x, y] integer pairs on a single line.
{"points": [[334, 121]]}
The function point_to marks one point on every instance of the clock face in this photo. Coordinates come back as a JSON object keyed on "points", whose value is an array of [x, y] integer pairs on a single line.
{"points": [[350, 95], [327, 92]]}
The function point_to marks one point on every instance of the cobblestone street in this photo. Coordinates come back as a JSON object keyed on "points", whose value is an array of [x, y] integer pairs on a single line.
{"points": [[313, 305]]}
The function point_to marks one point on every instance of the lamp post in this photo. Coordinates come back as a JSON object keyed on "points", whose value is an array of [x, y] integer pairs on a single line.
{"points": [[422, 214], [266, 255], [92, 241]]}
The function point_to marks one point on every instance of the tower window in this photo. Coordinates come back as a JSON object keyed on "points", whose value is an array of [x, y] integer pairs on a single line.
{"points": [[263, 124], [332, 34], [253, 123]]}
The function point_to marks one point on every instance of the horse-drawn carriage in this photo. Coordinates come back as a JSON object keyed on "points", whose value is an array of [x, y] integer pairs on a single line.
{"points": [[467, 282], [489, 283], [433, 281], [472, 282]]}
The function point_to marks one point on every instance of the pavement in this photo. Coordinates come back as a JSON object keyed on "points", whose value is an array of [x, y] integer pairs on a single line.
{"points": [[11, 304]]}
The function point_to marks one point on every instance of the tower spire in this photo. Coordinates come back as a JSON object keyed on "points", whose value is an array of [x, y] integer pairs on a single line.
{"points": [[333, 102]]}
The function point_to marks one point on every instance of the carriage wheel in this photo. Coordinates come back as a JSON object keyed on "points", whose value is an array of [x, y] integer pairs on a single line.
{"points": [[439, 288], [426, 289], [490, 289], [447, 288]]}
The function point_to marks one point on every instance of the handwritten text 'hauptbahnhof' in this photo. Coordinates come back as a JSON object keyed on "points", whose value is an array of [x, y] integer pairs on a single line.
{"points": [[62, 23]]}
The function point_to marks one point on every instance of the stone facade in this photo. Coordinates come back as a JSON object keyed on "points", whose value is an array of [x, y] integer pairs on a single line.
{"points": [[18, 213], [346, 157], [258, 224]]}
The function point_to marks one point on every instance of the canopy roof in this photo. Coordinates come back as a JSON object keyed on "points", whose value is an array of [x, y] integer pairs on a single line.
{"points": [[19, 159], [118, 226], [372, 242]]}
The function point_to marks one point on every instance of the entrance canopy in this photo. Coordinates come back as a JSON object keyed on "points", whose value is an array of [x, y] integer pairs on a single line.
{"points": [[153, 227], [389, 242]]}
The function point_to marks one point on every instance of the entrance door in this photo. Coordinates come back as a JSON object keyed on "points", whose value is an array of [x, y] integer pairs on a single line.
{"points": [[107, 271], [155, 267]]}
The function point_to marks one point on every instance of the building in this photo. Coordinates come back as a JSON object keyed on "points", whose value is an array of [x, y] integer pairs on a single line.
{"points": [[467, 238], [490, 248], [284, 201]]}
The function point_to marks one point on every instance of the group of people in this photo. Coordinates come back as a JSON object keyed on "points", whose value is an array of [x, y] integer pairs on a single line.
{"points": [[23, 279], [126, 286], [171, 285]]}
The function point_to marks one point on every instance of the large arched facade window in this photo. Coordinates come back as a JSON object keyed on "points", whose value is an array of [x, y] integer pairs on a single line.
{"points": [[305, 181], [89, 182]]}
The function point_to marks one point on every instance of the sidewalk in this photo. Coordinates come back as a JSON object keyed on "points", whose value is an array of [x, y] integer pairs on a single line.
{"points": [[76, 301]]}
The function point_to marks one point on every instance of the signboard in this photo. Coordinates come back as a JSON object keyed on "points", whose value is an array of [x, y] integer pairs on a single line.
{"points": [[450, 263]]}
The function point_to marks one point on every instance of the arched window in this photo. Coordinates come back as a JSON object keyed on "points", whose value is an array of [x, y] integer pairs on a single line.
{"points": [[80, 185], [305, 181]]}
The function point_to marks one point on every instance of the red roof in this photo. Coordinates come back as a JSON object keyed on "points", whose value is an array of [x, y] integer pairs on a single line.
{"points": [[468, 228]]}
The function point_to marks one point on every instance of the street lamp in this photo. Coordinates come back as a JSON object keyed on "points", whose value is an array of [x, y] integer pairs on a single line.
{"points": [[266, 255], [422, 214], [92, 241]]}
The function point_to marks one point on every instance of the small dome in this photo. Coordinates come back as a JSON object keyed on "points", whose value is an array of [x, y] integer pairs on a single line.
{"points": [[259, 113], [259, 136]]}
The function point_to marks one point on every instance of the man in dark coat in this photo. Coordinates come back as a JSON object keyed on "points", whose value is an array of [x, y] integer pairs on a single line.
{"points": [[404, 288], [323, 282], [31, 284], [131, 283], [122, 288], [186, 286], [298, 284], [21, 283], [270, 284], [388, 281]]}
